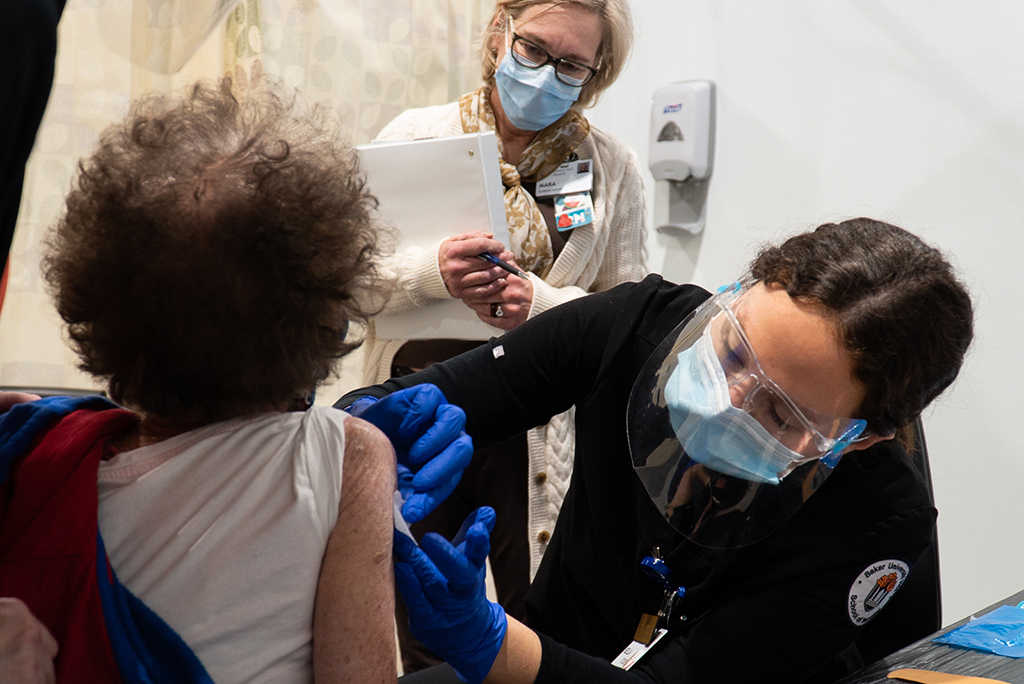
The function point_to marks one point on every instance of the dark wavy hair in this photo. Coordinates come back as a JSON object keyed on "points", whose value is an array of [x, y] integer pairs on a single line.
{"points": [[896, 303], [214, 251]]}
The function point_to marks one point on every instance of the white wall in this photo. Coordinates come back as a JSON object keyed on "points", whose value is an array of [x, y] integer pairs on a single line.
{"points": [[912, 112]]}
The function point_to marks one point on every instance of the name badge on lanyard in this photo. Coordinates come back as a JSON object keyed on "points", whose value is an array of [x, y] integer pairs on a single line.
{"points": [[570, 184]]}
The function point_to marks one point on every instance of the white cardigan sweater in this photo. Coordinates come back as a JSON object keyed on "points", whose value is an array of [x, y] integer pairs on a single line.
{"points": [[610, 251]]}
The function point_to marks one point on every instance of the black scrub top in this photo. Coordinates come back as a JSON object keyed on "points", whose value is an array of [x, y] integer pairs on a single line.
{"points": [[777, 610]]}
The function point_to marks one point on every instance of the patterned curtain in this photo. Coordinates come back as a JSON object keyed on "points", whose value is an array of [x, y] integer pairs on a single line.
{"points": [[370, 59]]}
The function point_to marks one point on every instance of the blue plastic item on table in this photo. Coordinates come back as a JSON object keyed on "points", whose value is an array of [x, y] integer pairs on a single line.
{"points": [[1000, 632]]}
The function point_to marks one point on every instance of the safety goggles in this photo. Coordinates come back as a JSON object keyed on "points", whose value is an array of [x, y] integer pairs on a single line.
{"points": [[708, 503], [801, 429]]}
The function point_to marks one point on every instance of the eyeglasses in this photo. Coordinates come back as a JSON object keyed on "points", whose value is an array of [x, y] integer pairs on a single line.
{"points": [[806, 432], [533, 56]]}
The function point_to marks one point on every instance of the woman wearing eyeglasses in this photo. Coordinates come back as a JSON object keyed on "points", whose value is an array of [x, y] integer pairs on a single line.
{"points": [[740, 473], [543, 63]]}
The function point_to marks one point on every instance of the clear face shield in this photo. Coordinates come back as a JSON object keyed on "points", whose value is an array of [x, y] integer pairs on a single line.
{"points": [[724, 452]]}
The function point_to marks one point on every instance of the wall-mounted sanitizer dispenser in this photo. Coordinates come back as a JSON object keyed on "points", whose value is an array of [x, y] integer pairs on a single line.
{"points": [[682, 152]]}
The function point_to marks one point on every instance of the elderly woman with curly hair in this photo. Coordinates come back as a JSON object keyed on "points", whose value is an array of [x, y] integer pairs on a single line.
{"points": [[211, 257]]}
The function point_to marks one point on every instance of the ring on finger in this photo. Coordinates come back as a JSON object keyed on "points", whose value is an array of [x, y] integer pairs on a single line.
{"points": [[497, 311]]}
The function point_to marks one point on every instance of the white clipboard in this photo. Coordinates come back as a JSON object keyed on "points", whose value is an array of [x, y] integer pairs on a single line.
{"points": [[430, 190]]}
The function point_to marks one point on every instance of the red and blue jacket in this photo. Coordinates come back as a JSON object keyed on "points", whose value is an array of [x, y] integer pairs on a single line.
{"points": [[52, 555]]}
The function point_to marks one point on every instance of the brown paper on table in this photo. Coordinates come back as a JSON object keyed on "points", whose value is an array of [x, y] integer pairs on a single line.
{"points": [[929, 677]]}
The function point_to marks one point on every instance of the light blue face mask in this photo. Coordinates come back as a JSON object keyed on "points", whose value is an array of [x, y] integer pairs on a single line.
{"points": [[715, 433], [532, 98]]}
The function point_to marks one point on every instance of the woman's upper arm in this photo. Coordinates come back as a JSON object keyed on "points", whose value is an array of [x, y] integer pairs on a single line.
{"points": [[353, 620]]}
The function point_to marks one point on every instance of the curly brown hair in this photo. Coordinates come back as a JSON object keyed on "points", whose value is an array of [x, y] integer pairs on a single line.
{"points": [[214, 251], [896, 302]]}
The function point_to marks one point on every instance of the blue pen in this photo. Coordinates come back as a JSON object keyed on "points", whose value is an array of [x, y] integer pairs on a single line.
{"points": [[490, 258]]}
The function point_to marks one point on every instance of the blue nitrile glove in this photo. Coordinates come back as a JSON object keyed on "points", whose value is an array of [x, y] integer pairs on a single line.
{"points": [[427, 433], [443, 588]]}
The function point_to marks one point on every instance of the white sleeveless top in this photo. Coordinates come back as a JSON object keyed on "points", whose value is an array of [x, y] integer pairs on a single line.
{"points": [[221, 531]]}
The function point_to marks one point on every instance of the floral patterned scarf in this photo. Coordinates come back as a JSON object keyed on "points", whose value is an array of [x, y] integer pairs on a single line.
{"points": [[528, 233]]}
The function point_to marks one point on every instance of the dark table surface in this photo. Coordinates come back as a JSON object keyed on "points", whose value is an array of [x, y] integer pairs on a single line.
{"points": [[927, 655]]}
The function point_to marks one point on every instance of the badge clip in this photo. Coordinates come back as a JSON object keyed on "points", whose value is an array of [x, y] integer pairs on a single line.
{"points": [[652, 627]]}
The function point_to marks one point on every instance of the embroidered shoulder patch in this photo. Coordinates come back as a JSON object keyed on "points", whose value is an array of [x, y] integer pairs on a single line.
{"points": [[873, 588]]}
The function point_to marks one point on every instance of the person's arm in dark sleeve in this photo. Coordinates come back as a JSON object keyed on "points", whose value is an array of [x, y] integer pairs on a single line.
{"points": [[502, 388], [375, 391], [520, 380], [562, 665]]}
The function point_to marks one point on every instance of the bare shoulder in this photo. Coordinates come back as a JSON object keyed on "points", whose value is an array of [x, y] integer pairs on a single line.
{"points": [[353, 622], [363, 437], [368, 468]]}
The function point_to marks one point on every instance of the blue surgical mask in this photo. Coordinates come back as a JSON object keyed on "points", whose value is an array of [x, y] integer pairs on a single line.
{"points": [[714, 432], [532, 98]]}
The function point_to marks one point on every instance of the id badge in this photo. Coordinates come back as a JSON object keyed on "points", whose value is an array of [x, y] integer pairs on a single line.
{"points": [[573, 211], [636, 650], [570, 177]]}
